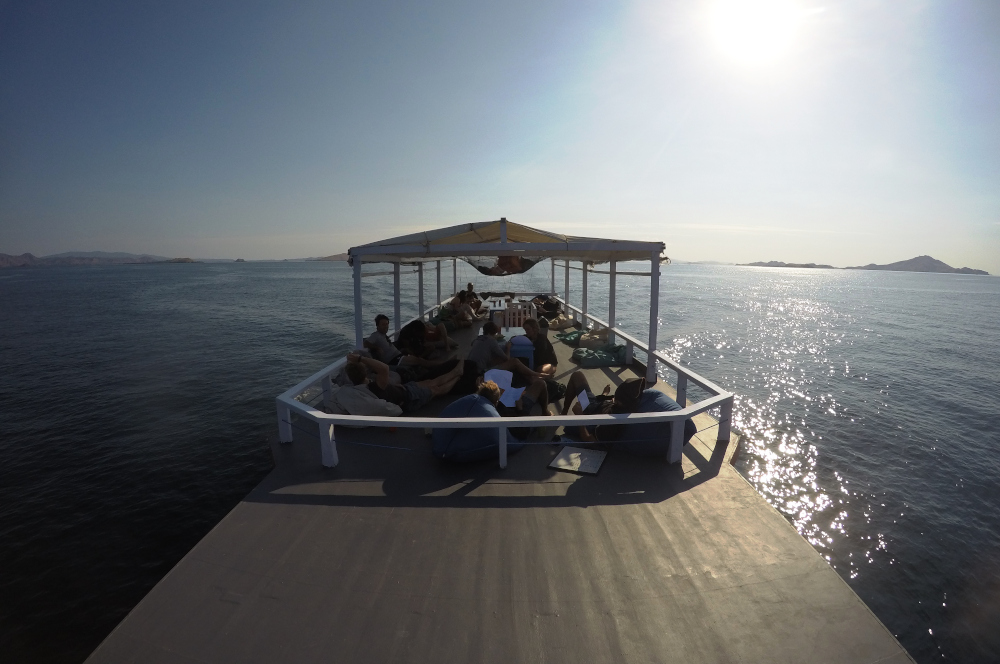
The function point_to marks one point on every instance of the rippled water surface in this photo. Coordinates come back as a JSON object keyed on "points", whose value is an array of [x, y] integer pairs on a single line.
{"points": [[138, 400]]}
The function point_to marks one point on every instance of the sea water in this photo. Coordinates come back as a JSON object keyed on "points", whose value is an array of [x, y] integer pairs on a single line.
{"points": [[137, 404]]}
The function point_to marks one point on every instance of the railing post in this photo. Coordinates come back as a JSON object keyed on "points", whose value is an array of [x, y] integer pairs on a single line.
{"points": [[654, 316], [438, 300], [503, 447], [676, 448], [454, 276], [583, 299], [725, 420], [327, 389], [629, 350], [420, 290], [358, 329], [566, 284], [553, 289], [284, 423], [682, 388], [395, 297], [328, 444], [613, 274]]}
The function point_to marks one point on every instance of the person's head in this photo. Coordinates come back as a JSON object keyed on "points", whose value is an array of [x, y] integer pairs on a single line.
{"points": [[530, 328], [382, 323], [489, 390], [469, 287], [627, 395], [357, 373], [490, 329], [463, 296]]}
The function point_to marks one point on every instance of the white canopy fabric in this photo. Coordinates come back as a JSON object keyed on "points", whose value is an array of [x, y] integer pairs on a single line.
{"points": [[499, 238]]}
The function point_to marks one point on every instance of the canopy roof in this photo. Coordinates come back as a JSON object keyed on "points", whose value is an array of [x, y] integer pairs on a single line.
{"points": [[499, 238]]}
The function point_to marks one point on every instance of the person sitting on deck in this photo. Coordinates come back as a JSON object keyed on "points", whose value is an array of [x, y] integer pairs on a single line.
{"points": [[463, 313], [356, 398], [647, 438], [414, 339], [472, 444], [487, 354], [533, 401], [545, 356], [409, 396], [473, 300], [384, 350]]}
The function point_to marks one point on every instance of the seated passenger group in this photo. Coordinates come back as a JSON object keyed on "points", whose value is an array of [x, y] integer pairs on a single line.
{"points": [[403, 377]]}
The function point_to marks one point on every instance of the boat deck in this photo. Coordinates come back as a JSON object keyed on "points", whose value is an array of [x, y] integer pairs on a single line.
{"points": [[393, 556]]}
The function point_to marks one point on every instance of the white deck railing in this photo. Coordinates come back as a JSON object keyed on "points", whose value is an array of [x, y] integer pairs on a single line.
{"points": [[290, 402]]}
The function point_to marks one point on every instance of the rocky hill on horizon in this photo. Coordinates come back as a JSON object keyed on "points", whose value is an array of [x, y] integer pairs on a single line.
{"points": [[920, 264], [80, 258], [781, 264]]}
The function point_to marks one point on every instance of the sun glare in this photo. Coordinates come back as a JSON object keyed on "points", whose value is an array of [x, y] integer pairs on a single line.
{"points": [[754, 32]]}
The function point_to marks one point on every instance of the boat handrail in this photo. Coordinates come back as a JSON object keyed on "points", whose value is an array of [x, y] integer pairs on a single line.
{"points": [[289, 401], [328, 421]]}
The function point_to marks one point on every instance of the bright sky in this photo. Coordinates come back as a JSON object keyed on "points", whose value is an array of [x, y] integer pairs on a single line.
{"points": [[841, 132]]}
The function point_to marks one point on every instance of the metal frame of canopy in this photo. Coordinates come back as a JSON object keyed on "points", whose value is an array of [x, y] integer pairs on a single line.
{"points": [[501, 238]]}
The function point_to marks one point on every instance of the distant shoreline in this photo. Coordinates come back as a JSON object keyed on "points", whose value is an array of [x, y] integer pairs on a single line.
{"points": [[918, 264]]}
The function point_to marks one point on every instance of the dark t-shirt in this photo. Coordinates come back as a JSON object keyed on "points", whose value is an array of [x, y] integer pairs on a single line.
{"points": [[544, 352]]}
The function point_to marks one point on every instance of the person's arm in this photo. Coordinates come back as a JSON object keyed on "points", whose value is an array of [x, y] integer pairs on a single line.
{"points": [[381, 369]]}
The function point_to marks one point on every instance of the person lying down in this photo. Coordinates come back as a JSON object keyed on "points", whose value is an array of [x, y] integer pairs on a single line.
{"points": [[632, 396], [386, 395]]}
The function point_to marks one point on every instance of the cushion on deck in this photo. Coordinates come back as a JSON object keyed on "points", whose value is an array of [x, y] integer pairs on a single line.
{"points": [[470, 444], [651, 438], [571, 338], [608, 356]]}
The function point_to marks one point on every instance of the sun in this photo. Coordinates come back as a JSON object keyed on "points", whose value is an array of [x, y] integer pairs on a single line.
{"points": [[754, 32]]}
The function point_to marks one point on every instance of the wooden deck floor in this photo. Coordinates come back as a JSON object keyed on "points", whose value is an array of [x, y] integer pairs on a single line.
{"points": [[395, 557]]}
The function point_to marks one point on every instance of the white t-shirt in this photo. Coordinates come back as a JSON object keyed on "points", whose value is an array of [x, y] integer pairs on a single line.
{"points": [[358, 400], [386, 351]]}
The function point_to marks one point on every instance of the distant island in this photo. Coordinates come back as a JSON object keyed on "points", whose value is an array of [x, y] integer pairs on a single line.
{"points": [[79, 258], [780, 264], [94, 258], [918, 264], [335, 257]]}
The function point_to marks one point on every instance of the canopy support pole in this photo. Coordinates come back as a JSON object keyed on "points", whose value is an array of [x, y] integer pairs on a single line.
{"points": [[358, 330], [569, 312], [613, 272], [454, 276], [420, 291], [583, 299], [654, 319], [439, 281], [395, 297]]}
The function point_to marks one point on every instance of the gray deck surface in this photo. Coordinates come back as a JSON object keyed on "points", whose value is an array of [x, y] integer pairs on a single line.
{"points": [[395, 557]]}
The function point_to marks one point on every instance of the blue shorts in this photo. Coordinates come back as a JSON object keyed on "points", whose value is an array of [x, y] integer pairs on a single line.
{"points": [[527, 403]]}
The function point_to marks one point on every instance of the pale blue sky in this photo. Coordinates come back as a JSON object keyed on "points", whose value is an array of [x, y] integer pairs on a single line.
{"points": [[261, 130]]}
